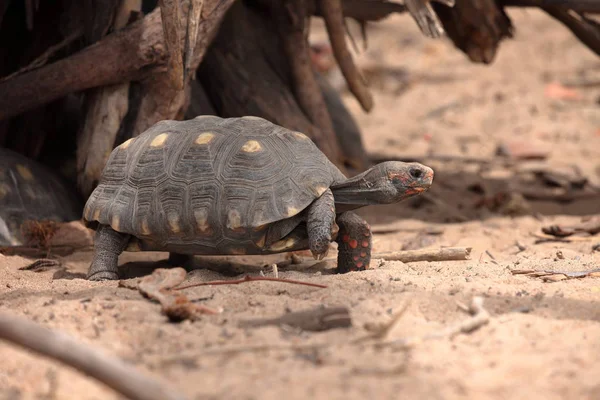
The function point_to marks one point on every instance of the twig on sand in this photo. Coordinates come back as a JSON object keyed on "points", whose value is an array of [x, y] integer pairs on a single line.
{"points": [[591, 227], [440, 254], [59, 346], [555, 276], [175, 306], [248, 278], [479, 317], [548, 238]]}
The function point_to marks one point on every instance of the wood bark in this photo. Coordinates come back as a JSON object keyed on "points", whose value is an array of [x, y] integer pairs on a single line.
{"points": [[130, 54], [106, 108], [476, 27], [262, 87]]}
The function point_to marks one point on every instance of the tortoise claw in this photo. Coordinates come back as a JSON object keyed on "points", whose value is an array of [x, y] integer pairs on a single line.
{"points": [[320, 256]]}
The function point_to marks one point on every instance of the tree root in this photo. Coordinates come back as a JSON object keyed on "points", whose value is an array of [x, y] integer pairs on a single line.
{"points": [[291, 23], [334, 21], [59, 346]]}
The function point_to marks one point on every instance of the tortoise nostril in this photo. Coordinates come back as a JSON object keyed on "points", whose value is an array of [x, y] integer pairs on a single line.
{"points": [[416, 172]]}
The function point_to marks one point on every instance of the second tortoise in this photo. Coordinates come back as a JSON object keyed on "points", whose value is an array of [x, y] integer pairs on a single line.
{"points": [[236, 186]]}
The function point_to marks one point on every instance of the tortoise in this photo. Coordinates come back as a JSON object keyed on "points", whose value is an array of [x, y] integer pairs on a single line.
{"points": [[29, 191], [235, 186]]}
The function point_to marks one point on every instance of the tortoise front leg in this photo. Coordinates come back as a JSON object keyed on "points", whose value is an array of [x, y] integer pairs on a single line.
{"points": [[108, 245], [321, 224], [354, 243]]}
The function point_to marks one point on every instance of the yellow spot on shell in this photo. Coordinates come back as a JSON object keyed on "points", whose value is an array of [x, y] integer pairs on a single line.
{"points": [[96, 215], [115, 223], [24, 172], [205, 138], [145, 227], [238, 251], [252, 118], [4, 190], [234, 220], [260, 227], [173, 219], [159, 140], [201, 217], [251, 146], [261, 242], [300, 135], [126, 143], [291, 211], [282, 244], [319, 190]]}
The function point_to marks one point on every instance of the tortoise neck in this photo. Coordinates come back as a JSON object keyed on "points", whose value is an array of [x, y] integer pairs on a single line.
{"points": [[357, 192]]}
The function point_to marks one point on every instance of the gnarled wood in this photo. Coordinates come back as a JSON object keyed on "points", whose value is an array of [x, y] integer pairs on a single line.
{"points": [[476, 27], [290, 17], [106, 108], [130, 54], [262, 86]]}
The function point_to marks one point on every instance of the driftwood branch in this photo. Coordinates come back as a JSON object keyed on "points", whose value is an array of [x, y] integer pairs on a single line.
{"points": [[129, 54], [250, 279], [585, 29], [176, 306], [334, 22], [291, 21], [59, 346], [170, 12], [441, 254], [250, 38]]}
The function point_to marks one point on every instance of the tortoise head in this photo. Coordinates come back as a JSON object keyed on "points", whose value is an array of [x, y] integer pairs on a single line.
{"points": [[385, 183]]}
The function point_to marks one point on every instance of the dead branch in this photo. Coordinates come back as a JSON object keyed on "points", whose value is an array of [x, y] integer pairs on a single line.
{"points": [[247, 37], [291, 23], [334, 22], [176, 306], [170, 11], [555, 276], [585, 29], [59, 346], [476, 27], [569, 239], [317, 319], [106, 108], [441, 254], [426, 19], [248, 278], [361, 10], [191, 36], [129, 54], [591, 227]]}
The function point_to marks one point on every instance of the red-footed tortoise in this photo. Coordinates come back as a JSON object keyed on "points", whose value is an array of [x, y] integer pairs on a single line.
{"points": [[235, 186], [31, 192]]}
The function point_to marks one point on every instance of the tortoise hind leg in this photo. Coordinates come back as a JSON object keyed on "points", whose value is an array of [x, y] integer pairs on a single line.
{"points": [[354, 243], [108, 245], [321, 224]]}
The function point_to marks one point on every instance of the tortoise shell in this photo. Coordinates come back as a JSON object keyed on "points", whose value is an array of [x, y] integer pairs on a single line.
{"points": [[208, 185], [31, 192]]}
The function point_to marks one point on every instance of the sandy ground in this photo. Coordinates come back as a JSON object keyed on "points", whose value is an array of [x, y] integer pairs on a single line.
{"points": [[542, 340]]}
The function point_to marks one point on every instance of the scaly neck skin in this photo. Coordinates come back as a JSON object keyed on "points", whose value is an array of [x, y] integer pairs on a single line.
{"points": [[362, 190]]}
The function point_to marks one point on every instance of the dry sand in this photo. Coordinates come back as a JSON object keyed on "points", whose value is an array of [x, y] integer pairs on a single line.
{"points": [[543, 338]]}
